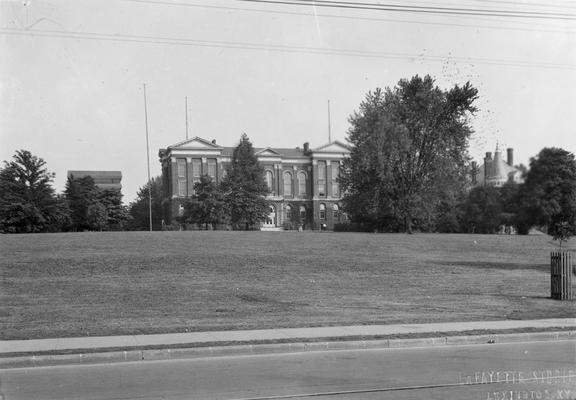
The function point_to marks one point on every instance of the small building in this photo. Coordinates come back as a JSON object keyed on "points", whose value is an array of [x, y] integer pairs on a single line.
{"points": [[104, 180], [496, 171], [301, 180]]}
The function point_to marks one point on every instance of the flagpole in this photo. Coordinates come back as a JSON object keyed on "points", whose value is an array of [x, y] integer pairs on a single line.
{"points": [[186, 102], [148, 159], [329, 127]]}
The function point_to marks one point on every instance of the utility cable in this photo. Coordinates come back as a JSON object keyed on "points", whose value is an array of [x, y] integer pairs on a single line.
{"points": [[277, 48]]}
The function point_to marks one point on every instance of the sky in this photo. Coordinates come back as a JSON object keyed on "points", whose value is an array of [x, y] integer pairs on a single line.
{"points": [[72, 74]]}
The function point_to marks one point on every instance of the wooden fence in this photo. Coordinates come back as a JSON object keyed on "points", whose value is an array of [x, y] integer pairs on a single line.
{"points": [[561, 275]]}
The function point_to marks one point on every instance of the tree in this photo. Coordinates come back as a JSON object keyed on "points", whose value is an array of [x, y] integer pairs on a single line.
{"points": [[27, 200], [409, 144], [206, 207], [245, 189], [116, 212], [139, 209], [97, 216], [548, 195], [482, 210], [81, 193]]}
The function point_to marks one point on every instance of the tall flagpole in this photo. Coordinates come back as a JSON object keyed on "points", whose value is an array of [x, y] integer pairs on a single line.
{"points": [[186, 102], [148, 160], [329, 128]]}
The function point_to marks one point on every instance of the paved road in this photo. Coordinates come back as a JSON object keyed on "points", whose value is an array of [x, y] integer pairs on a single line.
{"points": [[523, 371]]}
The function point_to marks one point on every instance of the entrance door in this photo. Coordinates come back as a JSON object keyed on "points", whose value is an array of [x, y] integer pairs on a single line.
{"points": [[271, 219]]}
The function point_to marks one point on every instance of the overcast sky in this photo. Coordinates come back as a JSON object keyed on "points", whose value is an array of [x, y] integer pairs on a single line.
{"points": [[72, 74]]}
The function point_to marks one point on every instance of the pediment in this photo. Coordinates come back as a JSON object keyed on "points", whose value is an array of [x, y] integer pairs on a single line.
{"points": [[267, 152], [196, 143], [333, 147]]}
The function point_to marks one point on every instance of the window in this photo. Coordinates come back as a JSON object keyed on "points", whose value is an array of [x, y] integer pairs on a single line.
{"points": [[181, 170], [181, 188], [196, 169], [181, 162], [180, 210], [322, 211], [335, 172], [321, 178], [288, 212], [287, 184], [303, 213], [212, 168], [335, 211], [269, 180], [301, 183]]}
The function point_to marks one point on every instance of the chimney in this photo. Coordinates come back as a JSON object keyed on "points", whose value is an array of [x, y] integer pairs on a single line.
{"points": [[510, 159], [306, 147], [487, 166]]}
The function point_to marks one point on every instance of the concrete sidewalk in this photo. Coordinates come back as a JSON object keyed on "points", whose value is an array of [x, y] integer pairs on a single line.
{"points": [[80, 344]]}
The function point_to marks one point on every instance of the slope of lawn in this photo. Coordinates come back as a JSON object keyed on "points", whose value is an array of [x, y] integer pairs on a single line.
{"points": [[78, 284]]}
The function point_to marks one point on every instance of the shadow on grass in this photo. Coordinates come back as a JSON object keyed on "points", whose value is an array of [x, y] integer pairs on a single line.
{"points": [[496, 265]]}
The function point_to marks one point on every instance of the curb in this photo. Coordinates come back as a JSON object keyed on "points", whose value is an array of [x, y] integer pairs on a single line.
{"points": [[32, 361]]}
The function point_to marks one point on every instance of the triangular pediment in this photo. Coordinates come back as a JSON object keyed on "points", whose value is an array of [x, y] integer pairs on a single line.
{"points": [[333, 147], [196, 143], [267, 152]]}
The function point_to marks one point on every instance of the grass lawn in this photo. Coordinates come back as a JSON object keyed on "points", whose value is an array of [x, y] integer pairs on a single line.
{"points": [[78, 284]]}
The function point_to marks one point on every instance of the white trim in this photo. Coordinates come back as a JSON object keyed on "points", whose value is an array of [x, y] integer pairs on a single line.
{"points": [[268, 158], [326, 156], [296, 161], [196, 152]]}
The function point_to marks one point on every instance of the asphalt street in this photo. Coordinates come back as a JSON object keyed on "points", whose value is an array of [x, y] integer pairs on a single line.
{"points": [[519, 371]]}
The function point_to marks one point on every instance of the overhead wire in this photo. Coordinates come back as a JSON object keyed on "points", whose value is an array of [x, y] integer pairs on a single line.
{"points": [[275, 48], [530, 28], [418, 9]]}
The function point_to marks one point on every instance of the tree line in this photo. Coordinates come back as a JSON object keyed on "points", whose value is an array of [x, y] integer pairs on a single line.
{"points": [[409, 169], [29, 204]]}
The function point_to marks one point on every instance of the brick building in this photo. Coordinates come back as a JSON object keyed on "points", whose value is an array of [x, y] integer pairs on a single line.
{"points": [[301, 180], [495, 171], [105, 180]]}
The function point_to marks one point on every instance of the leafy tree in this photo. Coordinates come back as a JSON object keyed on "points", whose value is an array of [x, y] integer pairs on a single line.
{"points": [[548, 195], [27, 200], [206, 207], [97, 216], [245, 189], [116, 212], [482, 210], [409, 144], [139, 209], [81, 193]]}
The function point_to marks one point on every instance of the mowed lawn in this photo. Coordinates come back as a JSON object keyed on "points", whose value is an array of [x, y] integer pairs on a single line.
{"points": [[78, 284]]}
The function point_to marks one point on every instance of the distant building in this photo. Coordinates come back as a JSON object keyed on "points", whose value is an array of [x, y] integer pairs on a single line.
{"points": [[301, 180], [496, 171], [102, 179]]}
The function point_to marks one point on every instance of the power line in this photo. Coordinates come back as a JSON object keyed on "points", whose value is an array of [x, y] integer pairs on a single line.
{"points": [[277, 48], [567, 4], [259, 10], [419, 9]]}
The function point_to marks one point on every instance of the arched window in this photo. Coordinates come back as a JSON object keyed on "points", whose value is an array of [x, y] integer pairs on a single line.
{"points": [[335, 211], [302, 183], [288, 212], [287, 184], [303, 213], [270, 180], [322, 211]]}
